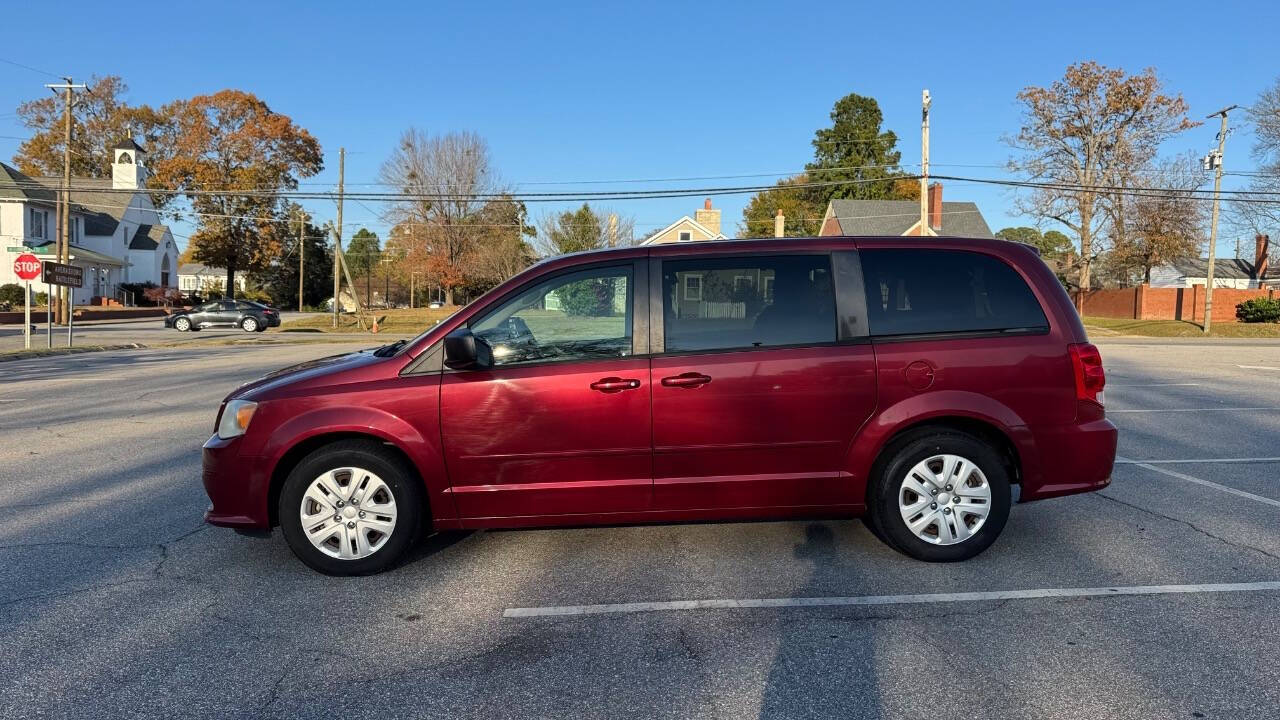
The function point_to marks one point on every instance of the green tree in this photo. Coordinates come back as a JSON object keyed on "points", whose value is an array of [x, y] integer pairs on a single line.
{"points": [[280, 278], [1052, 244], [573, 231], [362, 255], [857, 151], [802, 210], [586, 228]]}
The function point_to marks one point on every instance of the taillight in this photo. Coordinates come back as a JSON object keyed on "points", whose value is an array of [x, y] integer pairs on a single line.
{"points": [[1090, 377]]}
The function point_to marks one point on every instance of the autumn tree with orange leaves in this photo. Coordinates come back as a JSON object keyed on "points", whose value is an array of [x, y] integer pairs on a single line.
{"points": [[1092, 131], [230, 156]]}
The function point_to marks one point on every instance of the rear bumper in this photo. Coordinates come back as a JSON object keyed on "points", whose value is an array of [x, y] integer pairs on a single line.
{"points": [[1071, 459], [237, 486]]}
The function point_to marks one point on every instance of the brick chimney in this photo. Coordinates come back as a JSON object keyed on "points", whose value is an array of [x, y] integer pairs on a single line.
{"points": [[935, 207], [708, 218], [1263, 244]]}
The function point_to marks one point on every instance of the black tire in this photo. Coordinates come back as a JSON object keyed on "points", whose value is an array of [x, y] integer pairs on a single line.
{"points": [[885, 518], [182, 325], [262, 328], [250, 324], [402, 481]]}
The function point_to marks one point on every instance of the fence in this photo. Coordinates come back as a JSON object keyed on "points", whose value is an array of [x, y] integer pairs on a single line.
{"points": [[1147, 303]]}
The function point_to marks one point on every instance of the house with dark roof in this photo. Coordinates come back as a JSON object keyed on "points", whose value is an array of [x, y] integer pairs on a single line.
{"points": [[116, 234], [902, 217], [1232, 272]]}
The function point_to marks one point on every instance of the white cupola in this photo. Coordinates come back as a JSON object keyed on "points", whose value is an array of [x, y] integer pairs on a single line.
{"points": [[128, 168]]}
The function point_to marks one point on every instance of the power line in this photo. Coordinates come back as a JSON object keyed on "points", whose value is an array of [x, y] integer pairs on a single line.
{"points": [[28, 67]]}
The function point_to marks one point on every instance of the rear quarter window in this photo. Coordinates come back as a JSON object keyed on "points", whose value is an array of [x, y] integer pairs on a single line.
{"points": [[927, 291]]}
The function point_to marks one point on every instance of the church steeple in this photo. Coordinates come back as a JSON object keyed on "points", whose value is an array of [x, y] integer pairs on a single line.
{"points": [[128, 167]]}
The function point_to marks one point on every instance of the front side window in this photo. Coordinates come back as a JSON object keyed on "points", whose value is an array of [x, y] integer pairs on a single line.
{"points": [[583, 315], [914, 292], [747, 302]]}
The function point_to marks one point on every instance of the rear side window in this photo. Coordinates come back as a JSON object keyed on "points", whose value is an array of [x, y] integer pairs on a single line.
{"points": [[913, 292], [747, 302]]}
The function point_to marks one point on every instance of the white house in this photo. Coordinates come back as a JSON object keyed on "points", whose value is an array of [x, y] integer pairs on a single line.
{"points": [[116, 234], [1228, 272], [197, 279], [705, 225]]}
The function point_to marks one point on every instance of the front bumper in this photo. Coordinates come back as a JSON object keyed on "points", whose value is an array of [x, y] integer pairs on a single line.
{"points": [[238, 486]]}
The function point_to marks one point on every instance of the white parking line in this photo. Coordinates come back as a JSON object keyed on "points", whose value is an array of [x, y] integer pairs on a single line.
{"points": [[1258, 367], [1200, 481], [1169, 410], [1197, 461], [887, 599], [1112, 386]]}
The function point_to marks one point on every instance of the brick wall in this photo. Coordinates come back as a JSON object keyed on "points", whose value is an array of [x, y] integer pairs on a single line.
{"points": [[1148, 303], [1109, 302]]}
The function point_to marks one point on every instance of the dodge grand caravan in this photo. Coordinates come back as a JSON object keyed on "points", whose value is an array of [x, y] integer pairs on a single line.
{"points": [[912, 381]]}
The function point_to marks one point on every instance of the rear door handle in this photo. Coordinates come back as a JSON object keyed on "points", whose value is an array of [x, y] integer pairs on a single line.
{"points": [[615, 384], [689, 380]]}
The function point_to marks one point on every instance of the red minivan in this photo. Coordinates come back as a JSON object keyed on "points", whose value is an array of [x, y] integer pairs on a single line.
{"points": [[909, 380]]}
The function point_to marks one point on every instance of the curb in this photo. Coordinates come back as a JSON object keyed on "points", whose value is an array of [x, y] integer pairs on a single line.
{"points": [[49, 352]]}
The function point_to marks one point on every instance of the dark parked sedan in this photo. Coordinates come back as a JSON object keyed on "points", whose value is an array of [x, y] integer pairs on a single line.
{"points": [[244, 314]]}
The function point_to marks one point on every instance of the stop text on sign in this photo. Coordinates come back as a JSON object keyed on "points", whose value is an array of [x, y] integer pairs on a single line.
{"points": [[27, 267]]}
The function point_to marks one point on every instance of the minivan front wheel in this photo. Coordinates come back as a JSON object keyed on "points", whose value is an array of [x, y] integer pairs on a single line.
{"points": [[351, 508], [942, 497]]}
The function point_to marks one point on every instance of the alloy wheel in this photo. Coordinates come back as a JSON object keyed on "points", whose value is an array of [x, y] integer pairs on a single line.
{"points": [[250, 325], [348, 513], [944, 499]]}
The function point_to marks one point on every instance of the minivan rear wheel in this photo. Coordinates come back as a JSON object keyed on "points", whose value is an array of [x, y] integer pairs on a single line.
{"points": [[941, 497], [351, 508]]}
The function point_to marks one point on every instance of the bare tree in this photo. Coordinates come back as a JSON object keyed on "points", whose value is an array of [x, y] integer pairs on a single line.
{"points": [[1086, 131], [447, 180], [1164, 225], [1259, 214]]}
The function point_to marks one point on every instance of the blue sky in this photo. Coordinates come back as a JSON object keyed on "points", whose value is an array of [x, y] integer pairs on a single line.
{"points": [[606, 91]]}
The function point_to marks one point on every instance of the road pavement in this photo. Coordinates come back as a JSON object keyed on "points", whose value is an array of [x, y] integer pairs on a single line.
{"points": [[144, 331], [117, 601]]}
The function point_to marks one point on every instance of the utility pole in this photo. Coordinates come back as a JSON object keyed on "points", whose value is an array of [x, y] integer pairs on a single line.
{"points": [[65, 295], [1214, 160], [302, 250], [337, 240], [925, 102]]}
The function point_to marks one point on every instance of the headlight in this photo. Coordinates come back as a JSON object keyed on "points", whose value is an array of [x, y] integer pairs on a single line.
{"points": [[235, 418]]}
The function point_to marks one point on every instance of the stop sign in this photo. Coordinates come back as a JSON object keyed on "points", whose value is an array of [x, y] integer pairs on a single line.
{"points": [[27, 267]]}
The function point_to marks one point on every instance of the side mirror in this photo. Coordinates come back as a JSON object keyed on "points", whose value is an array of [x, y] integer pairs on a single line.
{"points": [[464, 351]]}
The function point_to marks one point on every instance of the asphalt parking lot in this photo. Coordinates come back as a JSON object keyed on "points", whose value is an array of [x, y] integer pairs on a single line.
{"points": [[1156, 597]]}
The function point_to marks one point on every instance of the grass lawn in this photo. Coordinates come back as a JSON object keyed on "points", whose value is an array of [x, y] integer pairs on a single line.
{"points": [[396, 322], [1178, 328]]}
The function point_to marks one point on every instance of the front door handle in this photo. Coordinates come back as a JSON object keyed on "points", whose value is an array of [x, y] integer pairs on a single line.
{"points": [[687, 380], [615, 384]]}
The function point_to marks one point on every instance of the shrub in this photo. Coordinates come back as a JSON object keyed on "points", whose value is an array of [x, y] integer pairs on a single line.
{"points": [[255, 294], [1259, 310], [11, 293], [592, 297], [42, 298]]}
